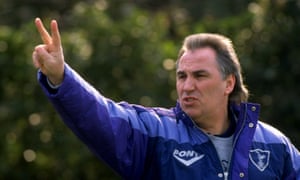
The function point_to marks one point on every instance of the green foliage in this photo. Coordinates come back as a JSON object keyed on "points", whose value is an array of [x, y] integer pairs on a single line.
{"points": [[122, 47]]}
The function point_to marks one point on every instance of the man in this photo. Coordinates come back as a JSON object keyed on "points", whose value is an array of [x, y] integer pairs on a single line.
{"points": [[212, 133]]}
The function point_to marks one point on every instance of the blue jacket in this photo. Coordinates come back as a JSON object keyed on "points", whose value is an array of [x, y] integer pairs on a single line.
{"points": [[159, 143]]}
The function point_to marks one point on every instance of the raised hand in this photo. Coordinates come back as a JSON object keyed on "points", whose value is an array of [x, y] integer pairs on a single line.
{"points": [[49, 57]]}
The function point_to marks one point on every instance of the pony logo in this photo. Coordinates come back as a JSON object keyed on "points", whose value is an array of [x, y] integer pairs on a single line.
{"points": [[187, 157], [260, 158]]}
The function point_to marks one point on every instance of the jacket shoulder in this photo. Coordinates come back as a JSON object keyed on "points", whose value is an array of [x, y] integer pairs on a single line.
{"points": [[266, 133]]}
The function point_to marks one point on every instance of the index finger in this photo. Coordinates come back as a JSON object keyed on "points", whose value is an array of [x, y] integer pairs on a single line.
{"points": [[55, 34], [43, 32]]}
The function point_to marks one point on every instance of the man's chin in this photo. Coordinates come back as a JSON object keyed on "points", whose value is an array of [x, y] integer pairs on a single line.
{"points": [[190, 112]]}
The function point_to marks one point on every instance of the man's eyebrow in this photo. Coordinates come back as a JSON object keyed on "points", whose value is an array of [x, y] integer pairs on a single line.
{"points": [[200, 71], [180, 72]]}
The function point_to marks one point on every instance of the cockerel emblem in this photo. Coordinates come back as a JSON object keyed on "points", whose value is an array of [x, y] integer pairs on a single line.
{"points": [[260, 158]]}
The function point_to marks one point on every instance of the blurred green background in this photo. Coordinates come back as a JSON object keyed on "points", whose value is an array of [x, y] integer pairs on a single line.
{"points": [[127, 50]]}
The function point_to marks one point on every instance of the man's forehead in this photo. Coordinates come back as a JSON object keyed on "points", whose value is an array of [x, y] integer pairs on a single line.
{"points": [[198, 57]]}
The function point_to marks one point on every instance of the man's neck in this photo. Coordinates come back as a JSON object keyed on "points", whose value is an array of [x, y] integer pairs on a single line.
{"points": [[216, 129], [215, 125]]}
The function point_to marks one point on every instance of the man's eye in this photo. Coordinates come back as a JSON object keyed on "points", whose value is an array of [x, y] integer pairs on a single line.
{"points": [[181, 76], [200, 75]]}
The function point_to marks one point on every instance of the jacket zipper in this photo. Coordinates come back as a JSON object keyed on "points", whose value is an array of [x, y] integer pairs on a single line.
{"points": [[235, 140], [226, 174]]}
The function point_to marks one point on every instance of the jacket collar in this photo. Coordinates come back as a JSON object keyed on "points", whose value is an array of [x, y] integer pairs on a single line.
{"points": [[240, 112], [181, 115]]}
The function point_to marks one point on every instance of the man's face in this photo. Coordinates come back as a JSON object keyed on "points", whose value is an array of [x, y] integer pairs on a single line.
{"points": [[202, 91]]}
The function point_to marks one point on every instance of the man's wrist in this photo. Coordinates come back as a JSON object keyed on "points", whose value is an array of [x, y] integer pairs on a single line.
{"points": [[52, 85]]}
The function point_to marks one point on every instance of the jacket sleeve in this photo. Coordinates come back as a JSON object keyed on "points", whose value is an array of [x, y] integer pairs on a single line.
{"points": [[113, 131], [292, 167]]}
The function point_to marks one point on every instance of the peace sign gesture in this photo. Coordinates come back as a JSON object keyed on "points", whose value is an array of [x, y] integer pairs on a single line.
{"points": [[48, 57]]}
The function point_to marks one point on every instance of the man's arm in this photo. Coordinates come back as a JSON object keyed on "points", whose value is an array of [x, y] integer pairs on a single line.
{"points": [[292, 166], [112, 131]]}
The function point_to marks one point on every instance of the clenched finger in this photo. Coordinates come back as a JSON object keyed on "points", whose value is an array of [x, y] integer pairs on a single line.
{"points": [[35, 60], [42, 54]]}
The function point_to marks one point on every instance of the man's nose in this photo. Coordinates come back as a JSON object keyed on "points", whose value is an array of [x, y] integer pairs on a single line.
{"points": [[189, 84]]}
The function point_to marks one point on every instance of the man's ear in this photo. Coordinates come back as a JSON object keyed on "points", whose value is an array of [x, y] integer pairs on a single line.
{"points": [[230, 83]]}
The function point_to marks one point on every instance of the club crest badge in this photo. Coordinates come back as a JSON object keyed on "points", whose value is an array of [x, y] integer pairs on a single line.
{"points": [[260, 158]]}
